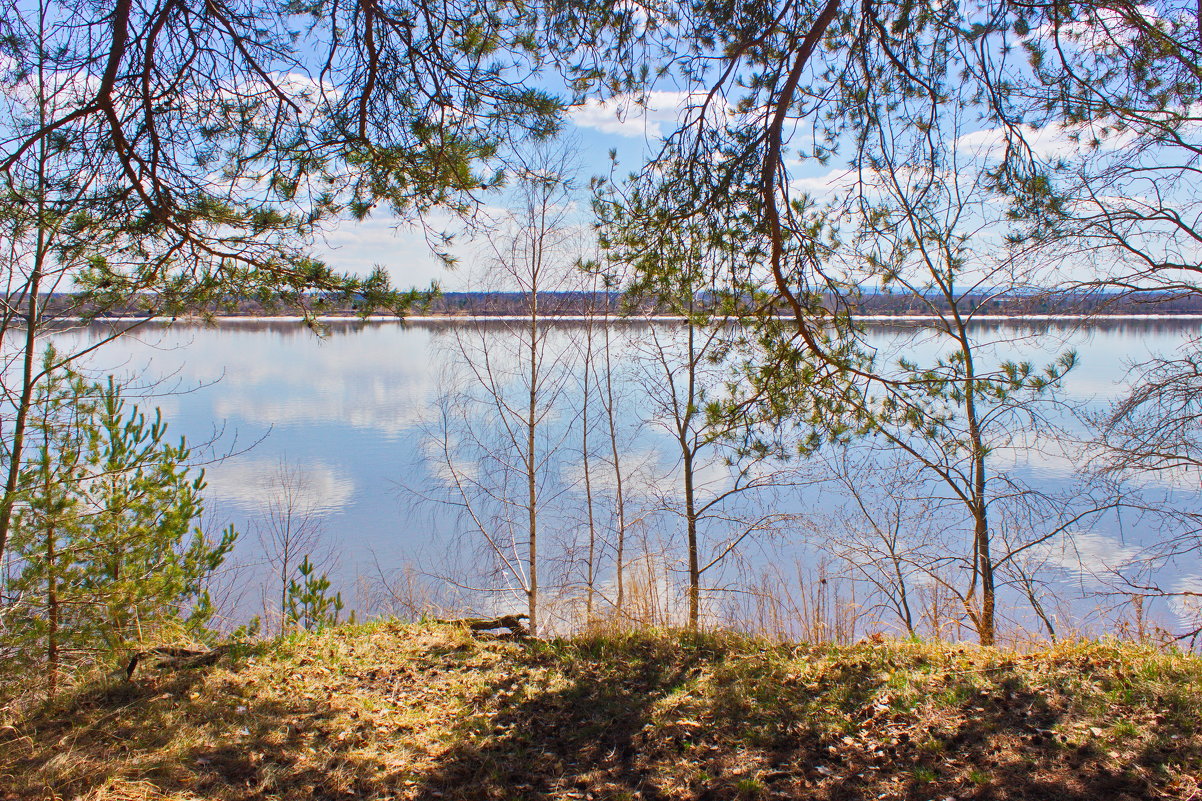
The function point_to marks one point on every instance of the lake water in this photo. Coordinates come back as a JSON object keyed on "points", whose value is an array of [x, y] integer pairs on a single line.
{"points": [[352, 413]]}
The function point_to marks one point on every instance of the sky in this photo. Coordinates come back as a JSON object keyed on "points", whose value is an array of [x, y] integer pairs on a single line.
{"points": [[634, 134], [594, 130]]}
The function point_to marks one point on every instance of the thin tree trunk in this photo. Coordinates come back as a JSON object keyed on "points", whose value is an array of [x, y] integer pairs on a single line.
{"points": [[33, 321], [980, 510], [690, 500], [532, 465], [985, 623], [28, 379], [284, 565], [694, 561], [902, 594], [52, 612], [32, 315], [590, 566], [619, 498]]}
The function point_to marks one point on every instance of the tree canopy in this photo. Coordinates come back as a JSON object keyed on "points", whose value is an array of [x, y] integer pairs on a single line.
{"points": [[199, 145]]}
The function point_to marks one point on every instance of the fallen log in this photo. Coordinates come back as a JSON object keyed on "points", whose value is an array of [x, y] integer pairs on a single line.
{"points": [[477, 624], [170, 658]]}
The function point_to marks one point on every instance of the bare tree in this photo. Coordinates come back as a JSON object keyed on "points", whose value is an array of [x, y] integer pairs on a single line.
{"points": [[594, 412], [882, 539], [722, 496], [1154, 429], [288, 531], [1147, 443], [610, 404], [932, 231], [498, 439], [722, 472]]}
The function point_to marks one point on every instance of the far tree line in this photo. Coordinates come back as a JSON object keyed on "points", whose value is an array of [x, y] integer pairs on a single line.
{"points": [[1006, 303]]}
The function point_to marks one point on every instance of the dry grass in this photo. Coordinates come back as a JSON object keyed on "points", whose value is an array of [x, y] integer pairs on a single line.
{"points": [[419, 712]]}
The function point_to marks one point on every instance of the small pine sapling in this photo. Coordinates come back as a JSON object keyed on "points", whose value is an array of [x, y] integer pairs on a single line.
{"points": [[310, 606]]}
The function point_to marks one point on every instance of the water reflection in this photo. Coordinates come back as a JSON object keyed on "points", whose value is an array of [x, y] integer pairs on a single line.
{"points": [[349, 405], [251, 485]]}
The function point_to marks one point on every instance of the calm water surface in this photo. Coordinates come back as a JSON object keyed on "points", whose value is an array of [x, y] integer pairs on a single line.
{"points": [[348, 409]]}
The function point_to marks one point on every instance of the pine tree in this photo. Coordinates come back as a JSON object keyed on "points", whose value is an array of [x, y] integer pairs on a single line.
{"points": [[106, 547], [309, 605], [46, 527]]}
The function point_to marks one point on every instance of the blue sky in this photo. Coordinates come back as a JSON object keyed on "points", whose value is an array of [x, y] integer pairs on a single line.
{"points": [[635, 134], [595, 129]]}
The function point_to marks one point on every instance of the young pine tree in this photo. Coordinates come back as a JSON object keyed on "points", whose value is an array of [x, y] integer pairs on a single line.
{"points": [[309, 606], [106, 550], [43, 596]]}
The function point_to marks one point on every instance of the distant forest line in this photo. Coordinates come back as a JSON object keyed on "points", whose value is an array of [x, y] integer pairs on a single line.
{"points": [[552, 304]]}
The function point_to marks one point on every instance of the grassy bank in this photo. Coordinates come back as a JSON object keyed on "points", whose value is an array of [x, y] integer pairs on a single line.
{"points": [[421, 712]]}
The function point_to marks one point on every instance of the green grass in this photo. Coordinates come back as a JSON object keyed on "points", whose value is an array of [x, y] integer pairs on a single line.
{"points": [[427, 712]]}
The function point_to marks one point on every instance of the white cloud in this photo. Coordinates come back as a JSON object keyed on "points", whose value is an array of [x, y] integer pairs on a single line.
{"points": [[401, 248], [251, 484], [286, 375], [639, 474], [624, 117], [832, 182], [450, 473], [1188, 607], [650, 473], [1048, 142], [1088, 554], [1102, 30]]}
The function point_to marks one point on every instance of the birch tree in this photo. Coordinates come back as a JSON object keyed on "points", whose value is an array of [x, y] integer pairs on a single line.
{"points": [[499, 440]]}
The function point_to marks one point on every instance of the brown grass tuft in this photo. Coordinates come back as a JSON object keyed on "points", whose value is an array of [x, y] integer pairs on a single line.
{"points": [[392, 711]]}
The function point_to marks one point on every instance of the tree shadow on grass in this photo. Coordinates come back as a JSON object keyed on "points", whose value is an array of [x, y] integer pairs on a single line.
{"points": [[637, 717], [750, 729], [572, 729], [165, 735], [634, 723]]}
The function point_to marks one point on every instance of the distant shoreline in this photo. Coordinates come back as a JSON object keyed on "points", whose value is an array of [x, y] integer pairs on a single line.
{"points": [[475, 318]]}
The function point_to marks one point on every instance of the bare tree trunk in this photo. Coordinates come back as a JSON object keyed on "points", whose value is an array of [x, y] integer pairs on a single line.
{"points": [[903, 595], [289, 527], [32, 315], [532, 464], [590, 580], [52, 613], [688, 451], [28, 379], [983, 559], [1028, 584], [690, 507], [619, 497], [985, 613]]}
